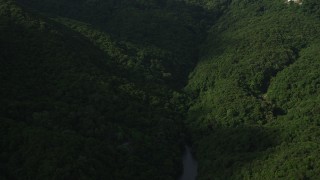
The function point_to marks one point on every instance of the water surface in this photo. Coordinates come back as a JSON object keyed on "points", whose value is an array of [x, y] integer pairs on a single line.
{"points": [[190, 166]]}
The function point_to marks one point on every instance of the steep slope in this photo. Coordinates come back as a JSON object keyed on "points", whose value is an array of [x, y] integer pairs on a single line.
{"points": [[172, 27], [77, 104], [90, 89], [255, 115]]}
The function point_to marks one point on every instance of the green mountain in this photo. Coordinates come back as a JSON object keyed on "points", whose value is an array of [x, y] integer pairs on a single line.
{"points": [[78, 102], [256, 111], [110, 89]]}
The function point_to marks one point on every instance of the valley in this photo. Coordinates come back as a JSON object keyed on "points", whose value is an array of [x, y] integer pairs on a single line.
{"points": [[109, 89]]}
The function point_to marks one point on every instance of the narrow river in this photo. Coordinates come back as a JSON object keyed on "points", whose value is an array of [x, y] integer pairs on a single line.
{"points": [[190, 166]]}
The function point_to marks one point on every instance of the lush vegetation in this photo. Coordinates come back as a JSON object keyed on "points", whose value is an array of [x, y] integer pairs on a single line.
{"points": [[99, 89], [256, 111], [169, 30], [79, 101]]}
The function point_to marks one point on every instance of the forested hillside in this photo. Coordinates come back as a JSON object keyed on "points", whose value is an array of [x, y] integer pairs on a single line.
{"points": [[256, 111], [170, 30], [86, 97], [113, 89]]}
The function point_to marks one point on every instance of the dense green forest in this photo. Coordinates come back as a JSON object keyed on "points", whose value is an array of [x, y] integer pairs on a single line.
{"points": [[90, 98], [256, 109], [113, 89]]}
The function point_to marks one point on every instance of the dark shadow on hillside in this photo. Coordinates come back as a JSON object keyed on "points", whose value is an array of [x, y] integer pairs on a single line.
{"points": [[177, 28]]}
